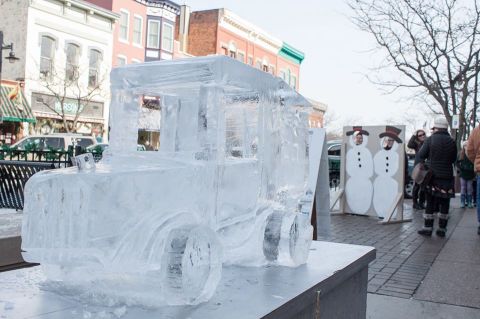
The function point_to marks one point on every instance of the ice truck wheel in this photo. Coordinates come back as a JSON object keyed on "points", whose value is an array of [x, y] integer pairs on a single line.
{"points": [[287, 239], [192, 265]]}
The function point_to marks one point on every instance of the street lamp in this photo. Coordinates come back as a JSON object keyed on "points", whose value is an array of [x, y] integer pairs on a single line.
{"points": [[11, 55]]}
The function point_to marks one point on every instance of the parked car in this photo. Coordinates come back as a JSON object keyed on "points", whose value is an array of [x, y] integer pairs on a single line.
{"points": [[100, 147], [53, 141], [334, 149], [408, 179]]}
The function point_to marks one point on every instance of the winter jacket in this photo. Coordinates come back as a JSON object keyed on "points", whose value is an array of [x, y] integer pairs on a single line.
{"points": [[441, 151], [465, 167], [414, 143], [473, 148]]}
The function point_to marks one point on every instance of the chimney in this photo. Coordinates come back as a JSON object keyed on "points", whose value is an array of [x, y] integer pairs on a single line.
{"points": [[184, 26]]}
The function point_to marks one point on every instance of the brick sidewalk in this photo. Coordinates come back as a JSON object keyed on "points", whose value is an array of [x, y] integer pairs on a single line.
{"points": [[403, 256]]}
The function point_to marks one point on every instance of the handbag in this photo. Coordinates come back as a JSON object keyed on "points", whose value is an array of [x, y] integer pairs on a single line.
{"points": [[421, 173]]}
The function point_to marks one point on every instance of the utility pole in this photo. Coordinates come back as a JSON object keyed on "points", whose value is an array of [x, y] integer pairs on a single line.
{"points": [[475, 102]]}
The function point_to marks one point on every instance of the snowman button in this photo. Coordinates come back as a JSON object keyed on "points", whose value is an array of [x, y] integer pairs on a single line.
{"points": [[358, 153], [386, 170], [359, 159], [359, 165], [386, 158], [387, 164]]}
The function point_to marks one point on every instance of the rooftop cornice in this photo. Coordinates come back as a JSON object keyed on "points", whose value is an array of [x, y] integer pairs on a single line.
{"points": [[248, 27], [164, 4], [291, 53], [92, 9]]}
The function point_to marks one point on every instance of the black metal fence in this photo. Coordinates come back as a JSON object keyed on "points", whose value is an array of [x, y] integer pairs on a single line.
{"points": [[13, 177], [58, 157], [17, 166]]}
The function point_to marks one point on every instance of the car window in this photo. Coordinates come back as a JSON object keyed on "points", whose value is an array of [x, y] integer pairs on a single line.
{"points": [[83, 142], [54, 142], [29, 142], [335, 150]]}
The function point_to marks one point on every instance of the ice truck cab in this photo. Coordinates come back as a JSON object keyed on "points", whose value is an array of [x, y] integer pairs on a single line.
{"points": [[227, 186]]}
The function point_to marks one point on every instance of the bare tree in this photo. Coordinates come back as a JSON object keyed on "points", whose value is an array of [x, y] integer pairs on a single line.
{"points": [[433, 44], [331, 122], [70, 96]]}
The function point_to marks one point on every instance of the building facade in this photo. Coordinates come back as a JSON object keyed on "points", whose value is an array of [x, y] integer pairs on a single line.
{"points": [[144, 31], [220, 31], [316, 118], [65, 50], [15, 112]]}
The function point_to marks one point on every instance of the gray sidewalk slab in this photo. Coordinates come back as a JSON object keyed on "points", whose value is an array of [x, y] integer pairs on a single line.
{"points": [[387, 307], [454, 277], [403, 256], [10, 223]]}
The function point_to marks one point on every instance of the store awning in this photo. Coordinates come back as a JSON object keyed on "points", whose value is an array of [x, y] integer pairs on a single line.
{"points": [[13, 105]]}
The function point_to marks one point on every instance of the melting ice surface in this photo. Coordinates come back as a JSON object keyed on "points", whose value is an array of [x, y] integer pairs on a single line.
{"points": [[227, 186]]}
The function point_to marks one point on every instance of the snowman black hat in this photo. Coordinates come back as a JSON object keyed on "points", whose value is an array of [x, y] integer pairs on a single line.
{"points": [[358, 130], [393, 132]]}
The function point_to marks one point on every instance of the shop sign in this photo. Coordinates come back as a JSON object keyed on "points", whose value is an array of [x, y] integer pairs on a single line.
{"points": [[70, 108]]}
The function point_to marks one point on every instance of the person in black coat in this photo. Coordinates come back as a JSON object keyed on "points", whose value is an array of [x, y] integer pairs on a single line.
{"points": [[418, 194], [440, 153]]}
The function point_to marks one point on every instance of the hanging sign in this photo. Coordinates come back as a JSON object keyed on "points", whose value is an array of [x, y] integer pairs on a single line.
{"points": [[455, 121]]}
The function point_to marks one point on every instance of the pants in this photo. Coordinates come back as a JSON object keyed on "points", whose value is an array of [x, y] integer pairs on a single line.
{"points": [[466, 186], [418, 194], [478, 195], [434, 203]]}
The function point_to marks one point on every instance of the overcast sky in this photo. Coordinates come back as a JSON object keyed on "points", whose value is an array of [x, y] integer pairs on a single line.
{"points": [[337, 56]]}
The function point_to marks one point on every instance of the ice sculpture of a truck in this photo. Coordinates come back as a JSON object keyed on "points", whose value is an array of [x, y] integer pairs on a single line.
{"points": [[228, 186]]}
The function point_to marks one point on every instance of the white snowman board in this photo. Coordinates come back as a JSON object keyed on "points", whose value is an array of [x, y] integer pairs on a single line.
{"points": [[372, 177]]}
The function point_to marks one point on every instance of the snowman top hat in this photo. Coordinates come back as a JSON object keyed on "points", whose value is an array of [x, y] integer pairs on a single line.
{"points": [[357, 130], [393, 132]]}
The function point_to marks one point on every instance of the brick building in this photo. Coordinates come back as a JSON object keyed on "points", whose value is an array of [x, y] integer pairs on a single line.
{"points": [[220, 31]]}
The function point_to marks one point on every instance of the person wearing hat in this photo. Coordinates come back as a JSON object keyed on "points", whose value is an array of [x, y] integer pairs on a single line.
{"points": [[473, 153], [439, 151]]}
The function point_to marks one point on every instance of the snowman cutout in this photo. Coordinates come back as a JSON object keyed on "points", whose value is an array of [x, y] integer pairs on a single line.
{"points": [[359, 168], [386, 163]]}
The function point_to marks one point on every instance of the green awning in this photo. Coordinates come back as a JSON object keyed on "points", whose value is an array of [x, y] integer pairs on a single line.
{"points": [[16, 109]]}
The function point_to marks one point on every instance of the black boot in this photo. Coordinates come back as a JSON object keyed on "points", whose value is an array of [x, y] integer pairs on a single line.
{"points": [[428, 225], [442, 225]]}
